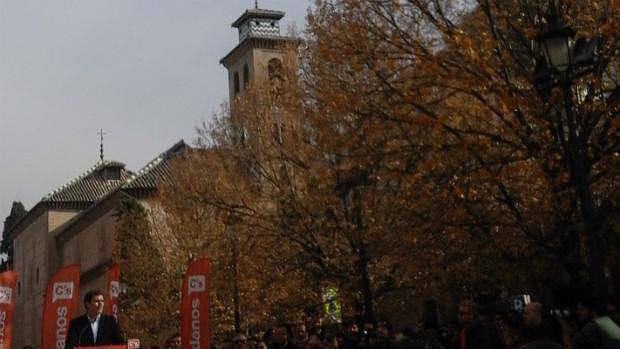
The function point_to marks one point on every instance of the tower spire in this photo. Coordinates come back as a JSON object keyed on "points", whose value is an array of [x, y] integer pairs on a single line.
{"points": [[101, 133]]}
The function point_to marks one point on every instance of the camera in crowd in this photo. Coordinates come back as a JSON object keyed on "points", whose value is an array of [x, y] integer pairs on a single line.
{"points": [[560, 314]]}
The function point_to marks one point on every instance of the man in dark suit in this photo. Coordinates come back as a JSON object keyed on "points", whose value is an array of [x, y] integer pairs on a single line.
{"points": [[93, 328]]}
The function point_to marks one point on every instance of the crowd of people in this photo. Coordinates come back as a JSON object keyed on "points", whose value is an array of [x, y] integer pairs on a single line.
{"points": [[587, 325]]}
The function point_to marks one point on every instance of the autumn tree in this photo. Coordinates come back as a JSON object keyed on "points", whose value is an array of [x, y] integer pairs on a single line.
{"points": [[407, 153], [501, 164], [149, 302]]}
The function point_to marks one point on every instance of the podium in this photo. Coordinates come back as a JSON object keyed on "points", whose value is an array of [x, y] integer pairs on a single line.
{"points": [[132, 343]]}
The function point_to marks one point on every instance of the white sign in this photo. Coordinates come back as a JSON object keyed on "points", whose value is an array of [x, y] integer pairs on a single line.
{"points": [[133, 343], [115, 289], [5, 295], [196, 283], [62, 290]]}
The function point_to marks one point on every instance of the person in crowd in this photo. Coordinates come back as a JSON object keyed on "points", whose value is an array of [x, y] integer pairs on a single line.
{"points": [[511, 327], [174, 341], [240, 341], [314, 341], [597, 329], [613, 308], [427, 336], [267, 338], [280, 338], [300, 335], [535, 327], [384, 335], [93, 328], [351, 335], [476, 329], [253, 342]]}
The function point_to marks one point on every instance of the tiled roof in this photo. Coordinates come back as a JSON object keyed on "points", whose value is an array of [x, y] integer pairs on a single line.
{"points": [[257, 13], [92, 185], [155, 171]]}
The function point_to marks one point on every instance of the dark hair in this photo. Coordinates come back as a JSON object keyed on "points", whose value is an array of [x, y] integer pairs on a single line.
{"points": [[592, 302], [90, 295]]}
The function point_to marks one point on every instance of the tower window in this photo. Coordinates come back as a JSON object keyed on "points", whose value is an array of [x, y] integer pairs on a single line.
{"points": [[274, 69], [246, 76], [236, 83]]}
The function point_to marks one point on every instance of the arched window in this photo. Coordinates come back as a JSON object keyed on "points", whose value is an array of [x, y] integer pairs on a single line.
{"points": [[246, 76], [236, 83], [274, 69]]}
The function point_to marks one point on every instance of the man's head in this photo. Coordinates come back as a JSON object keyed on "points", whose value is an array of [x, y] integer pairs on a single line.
{"points": [[588, 308], [280, 334], [468, 311], [532, 314], [384, 328], [93, 302], [300, 333], [175, 341], [240, 341]]}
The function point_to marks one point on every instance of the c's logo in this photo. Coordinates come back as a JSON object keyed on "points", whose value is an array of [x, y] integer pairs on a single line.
{"points": [[196, 283], [62, 290], [115, 289], [5, 295]]}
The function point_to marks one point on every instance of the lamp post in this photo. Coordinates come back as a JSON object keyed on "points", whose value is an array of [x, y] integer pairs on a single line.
{"points": [[563, 60]]}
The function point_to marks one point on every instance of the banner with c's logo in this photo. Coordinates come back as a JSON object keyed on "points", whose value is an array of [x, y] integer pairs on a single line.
{"points": [[195, 324], [114, 290], [60, 305], [8, 280]]}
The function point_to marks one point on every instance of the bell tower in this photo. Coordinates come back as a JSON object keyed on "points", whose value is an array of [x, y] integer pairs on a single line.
{"points": [[259, 54]]}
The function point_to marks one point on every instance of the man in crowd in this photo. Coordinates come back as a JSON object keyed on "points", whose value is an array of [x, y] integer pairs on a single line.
{"points": [[174, 342], [536, 328], [477, 330], [93, 328], [597, 329]]}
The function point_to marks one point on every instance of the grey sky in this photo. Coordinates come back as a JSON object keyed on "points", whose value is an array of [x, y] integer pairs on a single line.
{"points": [[146, 71]]}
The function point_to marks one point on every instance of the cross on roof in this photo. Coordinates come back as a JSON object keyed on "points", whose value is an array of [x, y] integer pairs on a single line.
{"points": [[101, 134]]}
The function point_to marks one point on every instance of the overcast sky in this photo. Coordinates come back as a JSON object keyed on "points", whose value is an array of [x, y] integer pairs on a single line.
{"points": [[147, 72]]}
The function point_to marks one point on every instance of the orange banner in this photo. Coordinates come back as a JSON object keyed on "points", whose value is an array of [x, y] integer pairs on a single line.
{"points": [[61, 303], [114, 290], [195, 326], [8, 279]]}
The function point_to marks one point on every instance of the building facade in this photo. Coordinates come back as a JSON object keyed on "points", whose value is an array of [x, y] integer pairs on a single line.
{"points": [[75, 224]]}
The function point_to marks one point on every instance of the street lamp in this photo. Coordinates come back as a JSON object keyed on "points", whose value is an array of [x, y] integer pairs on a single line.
{"points": [[563, 58], [562, 61], [557, 44]]}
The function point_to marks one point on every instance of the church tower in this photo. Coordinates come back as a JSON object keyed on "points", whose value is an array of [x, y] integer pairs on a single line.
{"points": [[259, 54]]}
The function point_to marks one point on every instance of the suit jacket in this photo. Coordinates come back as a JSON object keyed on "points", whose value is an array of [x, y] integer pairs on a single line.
{"points": [[81, 334]]}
